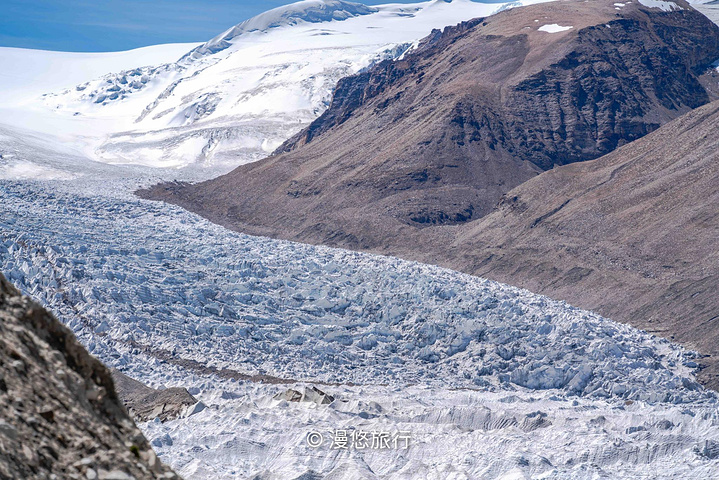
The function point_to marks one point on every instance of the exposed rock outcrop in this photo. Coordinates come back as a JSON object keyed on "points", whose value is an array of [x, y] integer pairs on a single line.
{"points": [[311, 394], [145, 403], [59, 414]]}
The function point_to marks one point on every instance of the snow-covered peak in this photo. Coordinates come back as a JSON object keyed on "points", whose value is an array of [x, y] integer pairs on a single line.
{"points": [[229, 101], [305, 11]]}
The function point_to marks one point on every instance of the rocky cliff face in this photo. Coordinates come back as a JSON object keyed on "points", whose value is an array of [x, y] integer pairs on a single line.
{"points": [[59, 414], [437, 138]]}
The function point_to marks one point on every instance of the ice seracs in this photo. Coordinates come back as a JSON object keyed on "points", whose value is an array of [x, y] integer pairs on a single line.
{"points": [[296, 312], [507, 381]]}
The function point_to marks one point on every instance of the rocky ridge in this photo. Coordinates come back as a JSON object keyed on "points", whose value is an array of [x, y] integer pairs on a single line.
{"points": [[59, 414], [146, 403]]}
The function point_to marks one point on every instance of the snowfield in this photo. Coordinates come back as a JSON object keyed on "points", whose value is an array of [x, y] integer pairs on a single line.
{"points": [[491, 381], [31, 73], [212, 107]]}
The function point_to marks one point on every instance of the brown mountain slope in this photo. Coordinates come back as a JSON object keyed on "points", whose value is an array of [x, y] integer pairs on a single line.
{"points": [[59, 413], [437, 138], [633, 235]]}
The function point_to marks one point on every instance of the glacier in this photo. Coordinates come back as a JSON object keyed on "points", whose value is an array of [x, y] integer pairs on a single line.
{"points": [[490, 380]]}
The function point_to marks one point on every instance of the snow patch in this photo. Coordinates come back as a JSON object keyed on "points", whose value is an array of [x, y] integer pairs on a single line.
{"points": [[661, 4], [554, 28]]}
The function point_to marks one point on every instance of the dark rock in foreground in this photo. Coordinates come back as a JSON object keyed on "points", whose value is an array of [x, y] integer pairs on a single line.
{"points": [[59, 414]]}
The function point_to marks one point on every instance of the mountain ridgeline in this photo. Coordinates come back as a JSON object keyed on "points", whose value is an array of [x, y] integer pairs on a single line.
{"points": [[620, 81], [310, 11]]}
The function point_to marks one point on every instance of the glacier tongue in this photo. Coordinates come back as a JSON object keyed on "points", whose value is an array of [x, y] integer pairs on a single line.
{"points": [[300, 312], [489, 381]]}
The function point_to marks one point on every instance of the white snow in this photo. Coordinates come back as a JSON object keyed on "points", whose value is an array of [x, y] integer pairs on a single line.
{"points": [[23, 170], [261, 81], [661, 4], [305, 11], [554, 28], [463, 434], [28, 73]]}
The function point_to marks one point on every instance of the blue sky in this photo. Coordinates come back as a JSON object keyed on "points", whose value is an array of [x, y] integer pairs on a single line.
{"points": [[111, 25]]}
